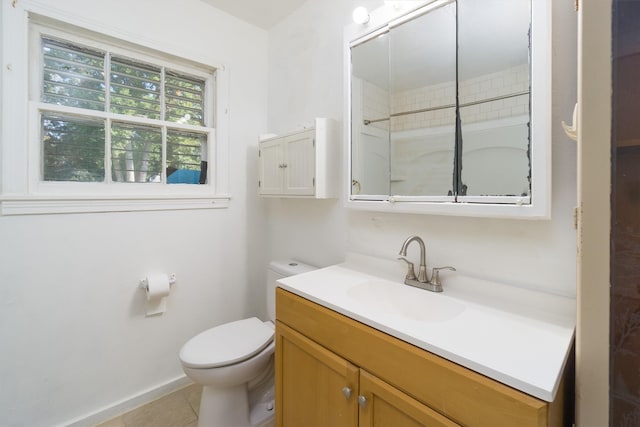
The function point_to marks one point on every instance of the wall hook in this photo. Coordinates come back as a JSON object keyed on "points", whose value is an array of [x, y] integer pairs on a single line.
{"points": [[572, 131]]}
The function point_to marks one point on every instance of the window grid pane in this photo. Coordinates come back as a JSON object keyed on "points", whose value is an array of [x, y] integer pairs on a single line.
{"points": [[135, 89], [72, 76], [136, 153], [73, 148], [184, 99], [185, 154]]}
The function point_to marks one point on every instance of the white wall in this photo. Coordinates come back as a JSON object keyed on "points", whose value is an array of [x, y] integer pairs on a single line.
{"points": [[306, 80], [74, 336]]}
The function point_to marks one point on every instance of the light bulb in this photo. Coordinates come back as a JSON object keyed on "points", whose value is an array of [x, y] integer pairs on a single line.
{"points": [[360, 15]]}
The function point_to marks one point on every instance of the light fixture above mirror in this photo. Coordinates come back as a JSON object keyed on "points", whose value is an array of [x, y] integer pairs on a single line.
{"points": [[360, 15]]}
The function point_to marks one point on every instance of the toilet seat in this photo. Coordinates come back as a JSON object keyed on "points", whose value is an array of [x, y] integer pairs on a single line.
{"points": [[227, 344]]}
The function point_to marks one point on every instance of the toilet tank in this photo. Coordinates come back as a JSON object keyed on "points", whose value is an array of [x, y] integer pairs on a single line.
{"points": [[279, 270]]}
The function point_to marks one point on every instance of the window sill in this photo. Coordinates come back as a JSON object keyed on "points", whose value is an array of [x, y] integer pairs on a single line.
{"points": [[39, 205]]}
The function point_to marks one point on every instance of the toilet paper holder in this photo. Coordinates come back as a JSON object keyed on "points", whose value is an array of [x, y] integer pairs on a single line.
{"points": [[144, 283]]}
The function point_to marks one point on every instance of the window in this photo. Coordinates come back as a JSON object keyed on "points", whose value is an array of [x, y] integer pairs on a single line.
{"points": [[93, 122], [112, 119]]}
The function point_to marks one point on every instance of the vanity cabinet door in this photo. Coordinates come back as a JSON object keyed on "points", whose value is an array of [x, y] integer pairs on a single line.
{"points": [[314, 387], [386, 406]]}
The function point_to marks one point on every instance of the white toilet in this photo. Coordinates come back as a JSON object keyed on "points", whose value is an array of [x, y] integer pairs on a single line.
{"points": [[234, 363]]}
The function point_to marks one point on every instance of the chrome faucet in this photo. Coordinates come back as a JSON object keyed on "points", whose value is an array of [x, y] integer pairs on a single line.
{"points": [[422, 271], [422, 281]]}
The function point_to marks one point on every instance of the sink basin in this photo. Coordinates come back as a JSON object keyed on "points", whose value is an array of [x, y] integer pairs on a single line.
{"points": [[406, 301]]}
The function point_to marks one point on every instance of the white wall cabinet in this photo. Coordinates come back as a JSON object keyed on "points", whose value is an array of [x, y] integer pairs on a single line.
{"points": [[301, 164]]}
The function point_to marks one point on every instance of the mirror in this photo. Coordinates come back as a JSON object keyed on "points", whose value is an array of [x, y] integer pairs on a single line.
{"points": [[494, 81], [441, 106], [370, 117], [423, 98]]}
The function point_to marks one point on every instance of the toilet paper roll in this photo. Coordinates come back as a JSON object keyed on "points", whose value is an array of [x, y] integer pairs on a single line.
{"points": [[158, 287]]}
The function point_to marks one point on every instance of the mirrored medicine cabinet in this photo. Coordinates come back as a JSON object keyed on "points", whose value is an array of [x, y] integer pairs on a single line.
{"points": [[449, 109]]}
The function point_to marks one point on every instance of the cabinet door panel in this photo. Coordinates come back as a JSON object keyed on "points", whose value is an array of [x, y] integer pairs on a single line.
{"points": [[271, 166], [309, 384], [300, 155], [387, 406]]}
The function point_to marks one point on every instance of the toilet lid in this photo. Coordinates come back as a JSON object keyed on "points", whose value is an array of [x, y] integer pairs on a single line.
{"points": [[227, 344]]}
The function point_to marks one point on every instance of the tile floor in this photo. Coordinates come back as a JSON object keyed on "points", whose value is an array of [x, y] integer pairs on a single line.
{"points": [[178, 409]]}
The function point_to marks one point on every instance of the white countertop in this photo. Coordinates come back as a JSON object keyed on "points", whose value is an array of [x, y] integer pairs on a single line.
{"points": [[519, 337]]}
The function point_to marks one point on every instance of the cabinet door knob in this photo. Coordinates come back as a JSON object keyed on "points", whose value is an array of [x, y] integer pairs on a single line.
{"points": [[347, 392], [362, 401]]}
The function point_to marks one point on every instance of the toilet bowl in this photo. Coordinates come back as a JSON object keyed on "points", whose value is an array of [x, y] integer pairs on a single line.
{"points": [[234, 364]]}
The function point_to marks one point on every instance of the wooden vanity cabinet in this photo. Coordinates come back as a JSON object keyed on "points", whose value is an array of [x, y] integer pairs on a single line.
{"points": [[334, 371]]}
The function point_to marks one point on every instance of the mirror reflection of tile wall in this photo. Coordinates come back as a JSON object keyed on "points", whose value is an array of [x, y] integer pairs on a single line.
{"points": [[505, 82], [494, 85]]}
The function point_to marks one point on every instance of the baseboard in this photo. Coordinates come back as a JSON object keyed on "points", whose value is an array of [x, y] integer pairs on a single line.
{"points": [[127, 405]]}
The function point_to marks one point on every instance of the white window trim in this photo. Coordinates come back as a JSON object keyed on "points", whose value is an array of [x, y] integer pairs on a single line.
{"points": [[21, 190]]}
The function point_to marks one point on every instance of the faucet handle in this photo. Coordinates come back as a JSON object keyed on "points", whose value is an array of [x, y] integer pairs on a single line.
{"points": [[411, 272], [435, 274]]}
